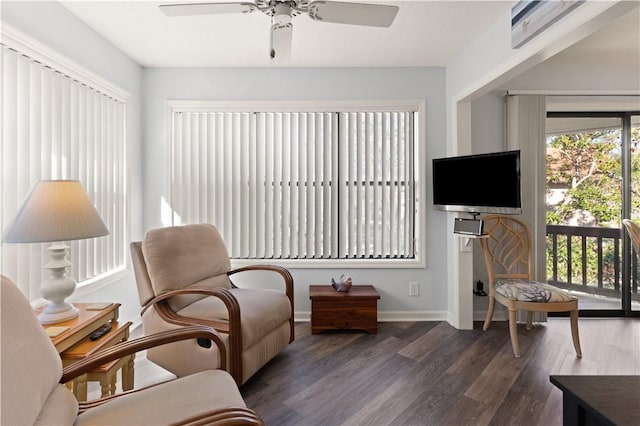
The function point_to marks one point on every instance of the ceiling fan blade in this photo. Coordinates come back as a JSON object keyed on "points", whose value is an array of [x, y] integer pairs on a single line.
{"points": [[374, 15], [185, 9]]}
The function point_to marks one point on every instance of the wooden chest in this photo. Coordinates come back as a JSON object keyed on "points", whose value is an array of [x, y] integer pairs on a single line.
{"points": [[356, 309]]}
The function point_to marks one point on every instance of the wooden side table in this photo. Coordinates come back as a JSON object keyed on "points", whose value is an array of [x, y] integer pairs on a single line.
{"points": [[83, 325], [105, 374], [356, 309], [74, 344]]}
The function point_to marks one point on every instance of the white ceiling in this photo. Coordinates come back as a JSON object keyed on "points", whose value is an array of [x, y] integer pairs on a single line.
{"points": [[424, 33], [619, 42]]}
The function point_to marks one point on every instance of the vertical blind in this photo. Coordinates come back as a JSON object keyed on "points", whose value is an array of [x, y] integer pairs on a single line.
{"points": [[297, 185], [377, 176], [56, 127]]}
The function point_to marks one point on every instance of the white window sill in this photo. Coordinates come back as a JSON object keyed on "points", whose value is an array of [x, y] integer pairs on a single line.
{"points": [[87, 287], [333, 263]]}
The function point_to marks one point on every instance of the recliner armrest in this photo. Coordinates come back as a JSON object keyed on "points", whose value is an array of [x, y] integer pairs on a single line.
{"points": [[288, 282], [136, 345], [229, 300], [284, 273], [224, 416]]}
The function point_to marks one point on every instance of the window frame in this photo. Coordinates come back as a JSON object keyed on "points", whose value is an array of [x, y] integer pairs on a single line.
{"points": [[415, 105], [39, 52]]}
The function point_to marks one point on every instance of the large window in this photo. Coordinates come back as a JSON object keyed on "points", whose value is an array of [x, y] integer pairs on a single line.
{"points": [[297, 183], [59, 122]]}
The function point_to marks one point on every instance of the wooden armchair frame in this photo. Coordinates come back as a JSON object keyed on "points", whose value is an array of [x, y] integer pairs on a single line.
{"points": [[220, 416], [508, 254], [233, 326]]}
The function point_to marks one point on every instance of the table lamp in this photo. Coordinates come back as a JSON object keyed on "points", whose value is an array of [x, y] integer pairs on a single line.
{"points": [[56, 211]]}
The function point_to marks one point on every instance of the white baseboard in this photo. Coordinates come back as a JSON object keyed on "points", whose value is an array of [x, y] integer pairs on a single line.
{"points": [[390, 316], [498, 315], [399, 316]]}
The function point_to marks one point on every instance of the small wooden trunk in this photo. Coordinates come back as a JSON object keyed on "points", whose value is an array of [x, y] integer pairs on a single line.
{"points": [[356, 309]]}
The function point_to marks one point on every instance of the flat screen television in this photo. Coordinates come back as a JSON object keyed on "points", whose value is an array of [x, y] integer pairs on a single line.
{"points": [[481, 183]]}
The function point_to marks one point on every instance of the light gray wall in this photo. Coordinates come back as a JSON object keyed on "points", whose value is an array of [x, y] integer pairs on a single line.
{"points": [[606, 61], [51, 24], [487, 135], [160, 85], [488, 123]]}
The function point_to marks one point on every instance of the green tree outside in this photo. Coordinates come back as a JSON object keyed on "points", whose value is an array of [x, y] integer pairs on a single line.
{"points": [[584, 188]]}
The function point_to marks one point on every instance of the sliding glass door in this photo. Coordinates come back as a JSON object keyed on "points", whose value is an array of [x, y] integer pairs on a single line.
{"points": [[593, 182], [633, 197]]}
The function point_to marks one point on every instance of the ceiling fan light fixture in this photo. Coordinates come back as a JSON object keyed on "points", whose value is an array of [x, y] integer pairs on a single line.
{"points": [[281, 33]]}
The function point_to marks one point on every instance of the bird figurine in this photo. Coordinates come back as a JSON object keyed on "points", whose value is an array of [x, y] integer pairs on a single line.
{"points": [[343, 284]]}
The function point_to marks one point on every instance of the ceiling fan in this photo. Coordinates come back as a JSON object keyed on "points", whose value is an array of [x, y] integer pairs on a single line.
{"points": [[281, 12]]}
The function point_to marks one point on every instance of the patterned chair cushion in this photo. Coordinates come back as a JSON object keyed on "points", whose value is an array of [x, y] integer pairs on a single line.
{"points": [[531, 291]]}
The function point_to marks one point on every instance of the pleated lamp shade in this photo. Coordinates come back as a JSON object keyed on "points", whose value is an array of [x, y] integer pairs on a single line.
{"points": [[56, 210]]}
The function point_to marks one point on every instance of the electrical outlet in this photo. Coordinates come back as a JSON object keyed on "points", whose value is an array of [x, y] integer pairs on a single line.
{"points": [[414, 289]]}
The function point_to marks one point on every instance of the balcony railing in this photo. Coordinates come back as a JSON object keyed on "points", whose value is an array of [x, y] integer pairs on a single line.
{"points": [[587, 259]]}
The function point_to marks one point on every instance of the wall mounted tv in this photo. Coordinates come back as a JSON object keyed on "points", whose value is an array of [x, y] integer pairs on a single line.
{"points": [[481, 183]]}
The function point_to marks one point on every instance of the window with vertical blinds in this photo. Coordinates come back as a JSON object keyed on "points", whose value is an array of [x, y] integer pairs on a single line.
{"points": [[297, 184], [58, 126]]}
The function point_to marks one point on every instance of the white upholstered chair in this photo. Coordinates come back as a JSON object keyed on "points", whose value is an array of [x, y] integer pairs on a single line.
{"points": [[508, 255], [33, 390], [183, 278]]}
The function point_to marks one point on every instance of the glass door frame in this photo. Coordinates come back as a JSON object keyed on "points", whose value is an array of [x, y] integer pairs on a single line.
{"points": [[625, 158]]}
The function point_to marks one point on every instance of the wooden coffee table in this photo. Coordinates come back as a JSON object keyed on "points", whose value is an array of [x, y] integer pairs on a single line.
{"points": [[356, 309], [599, 400]]}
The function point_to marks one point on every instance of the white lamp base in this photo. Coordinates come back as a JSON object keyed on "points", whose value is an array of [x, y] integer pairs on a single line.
{"points": [[57, 312], [58, 287]]}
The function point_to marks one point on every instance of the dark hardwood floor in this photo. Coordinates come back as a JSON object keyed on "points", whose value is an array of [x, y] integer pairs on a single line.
{"points": [[429, 373]]}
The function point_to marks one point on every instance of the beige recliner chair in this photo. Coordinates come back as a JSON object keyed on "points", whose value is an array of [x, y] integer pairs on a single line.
{"points": [[33, 391], [183, 278]]}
